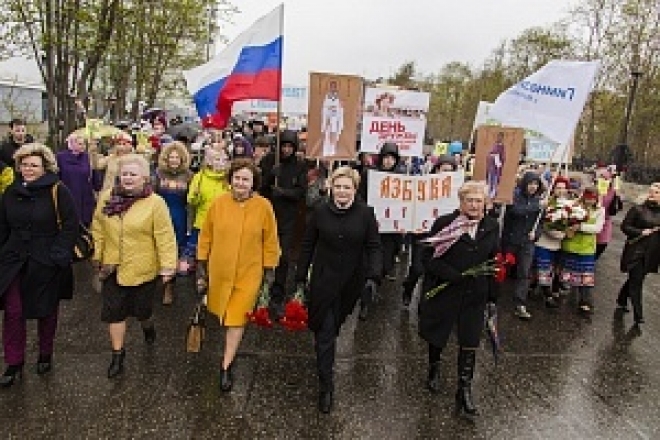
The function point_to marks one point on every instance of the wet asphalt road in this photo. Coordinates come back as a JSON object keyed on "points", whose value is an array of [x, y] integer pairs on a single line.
{"points": [[561, 376]]}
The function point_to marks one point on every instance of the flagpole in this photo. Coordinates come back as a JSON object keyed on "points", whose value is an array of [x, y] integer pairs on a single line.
{"points": [[279, 92]]}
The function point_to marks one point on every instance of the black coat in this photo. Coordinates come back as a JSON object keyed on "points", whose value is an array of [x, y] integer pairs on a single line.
{"points": [[33, 247], [344, 248], [646, 250], [292, 186], [438, 314], [9, 146]]}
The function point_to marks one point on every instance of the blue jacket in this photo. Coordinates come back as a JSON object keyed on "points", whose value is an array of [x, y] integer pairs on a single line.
{"points": [[520, 216]]}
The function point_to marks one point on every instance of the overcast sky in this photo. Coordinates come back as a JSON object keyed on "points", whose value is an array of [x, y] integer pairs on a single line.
{"points": [[373, 37]]}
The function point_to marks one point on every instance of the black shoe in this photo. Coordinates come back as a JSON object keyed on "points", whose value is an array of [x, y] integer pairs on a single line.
{"points": [[364, 311], [116, 367], [12, 374], [149, 334], [276, 309], [226, 379], [325, 401], [44, 364], [551, 302], [433, 382]]}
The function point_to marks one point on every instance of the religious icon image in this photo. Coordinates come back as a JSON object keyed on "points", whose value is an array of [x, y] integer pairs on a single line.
{"points": [[496, 159], [332, 120]]}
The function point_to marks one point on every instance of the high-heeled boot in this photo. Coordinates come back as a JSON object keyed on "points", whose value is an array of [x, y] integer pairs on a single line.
{"points": [[464, 401], [226, 379], [433, 382], [117, 363], [12, 374]]}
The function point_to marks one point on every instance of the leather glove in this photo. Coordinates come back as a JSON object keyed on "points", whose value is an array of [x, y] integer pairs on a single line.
{"points": [[202, 277], [269, 276]]}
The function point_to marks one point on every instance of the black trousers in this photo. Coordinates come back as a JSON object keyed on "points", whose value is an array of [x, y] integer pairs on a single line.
{"points": [[325, 344], [278, 292], [416, 268], [391, 244], [632, 289], [600, 248]]}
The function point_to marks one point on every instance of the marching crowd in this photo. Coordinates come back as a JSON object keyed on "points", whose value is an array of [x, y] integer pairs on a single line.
{"points": [[227, 208]]}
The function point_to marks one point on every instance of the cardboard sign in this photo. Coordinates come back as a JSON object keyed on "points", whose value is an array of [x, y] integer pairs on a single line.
{"points": [[496, 160], [405, 203], [334, 104]]}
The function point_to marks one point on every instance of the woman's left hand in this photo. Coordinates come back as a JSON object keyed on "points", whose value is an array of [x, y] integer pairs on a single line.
{"points": [[166, 278]]}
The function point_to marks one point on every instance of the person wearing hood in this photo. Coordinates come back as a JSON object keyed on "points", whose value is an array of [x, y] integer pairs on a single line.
{"points": [[519, 233], [640, 254], [209, 183], [36, 255], [75, 171], [171, 182], [388, 161], [285, 185], [241, 147]]}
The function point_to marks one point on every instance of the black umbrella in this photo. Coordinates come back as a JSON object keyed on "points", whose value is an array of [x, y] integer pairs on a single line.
{"points": [[188, 130]]}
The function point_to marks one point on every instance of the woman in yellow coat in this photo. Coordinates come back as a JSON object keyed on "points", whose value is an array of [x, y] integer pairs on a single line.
{"points": [[238, 250]]}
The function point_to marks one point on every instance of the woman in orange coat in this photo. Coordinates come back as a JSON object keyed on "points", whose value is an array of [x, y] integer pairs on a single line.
{"points": [[238, 249]]}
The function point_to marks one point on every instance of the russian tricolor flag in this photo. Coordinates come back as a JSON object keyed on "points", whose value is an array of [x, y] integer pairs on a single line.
{"points": [[250, 67]]}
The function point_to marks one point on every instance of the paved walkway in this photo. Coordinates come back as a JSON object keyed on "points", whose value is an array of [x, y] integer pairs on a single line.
{"points": [[561, 377]]}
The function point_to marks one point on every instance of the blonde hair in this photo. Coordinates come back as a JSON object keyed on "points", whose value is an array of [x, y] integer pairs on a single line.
{"points": [[644, 197], [134, 159], [472, 187], [39, 150], [345, 172]]}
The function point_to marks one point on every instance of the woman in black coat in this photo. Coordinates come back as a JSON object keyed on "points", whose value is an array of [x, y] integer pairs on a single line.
{"points": [[640, 253], [342, 243], [469, 239], [36, 253]]}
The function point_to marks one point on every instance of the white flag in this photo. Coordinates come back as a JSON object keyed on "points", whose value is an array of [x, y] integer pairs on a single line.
{"points": [[550, 101]]}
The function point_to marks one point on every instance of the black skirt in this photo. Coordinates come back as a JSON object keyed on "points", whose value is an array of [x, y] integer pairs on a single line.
{"points": [[122, 302]]}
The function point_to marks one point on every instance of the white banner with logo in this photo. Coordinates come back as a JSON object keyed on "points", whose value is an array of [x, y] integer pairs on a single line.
{"points": [[295, 101], [405, 203], [391, 115], [550, 101]]}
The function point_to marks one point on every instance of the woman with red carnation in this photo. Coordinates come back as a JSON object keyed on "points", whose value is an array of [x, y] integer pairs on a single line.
{"points": [[579, 249], [465, 239], [338, 229], [238, 251]]}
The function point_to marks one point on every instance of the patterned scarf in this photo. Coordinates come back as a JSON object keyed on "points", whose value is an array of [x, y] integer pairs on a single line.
{"points": [[445, 238], [120, 201]]}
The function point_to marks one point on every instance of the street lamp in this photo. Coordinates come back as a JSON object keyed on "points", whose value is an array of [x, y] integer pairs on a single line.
{"points": [[622, 155]]}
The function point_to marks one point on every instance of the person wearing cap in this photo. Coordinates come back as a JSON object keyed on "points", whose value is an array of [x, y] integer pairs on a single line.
{"points": [[285, 185], [519, 234], [241, 147], [579, 249]]}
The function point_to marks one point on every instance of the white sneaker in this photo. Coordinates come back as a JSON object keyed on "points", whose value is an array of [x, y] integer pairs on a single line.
{"points": [[522, 313]]}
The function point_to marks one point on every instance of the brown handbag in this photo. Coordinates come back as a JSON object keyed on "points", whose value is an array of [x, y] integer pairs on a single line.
{"points": [[196, 329]]}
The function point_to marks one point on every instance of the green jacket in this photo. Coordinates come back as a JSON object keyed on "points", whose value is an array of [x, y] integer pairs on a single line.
{"points": [[584, 240], [6, 177], [205, 186]]}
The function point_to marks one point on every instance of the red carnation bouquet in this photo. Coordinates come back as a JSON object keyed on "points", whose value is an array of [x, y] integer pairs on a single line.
{"points": [[496, 267], [260, 315], [295, 313]]}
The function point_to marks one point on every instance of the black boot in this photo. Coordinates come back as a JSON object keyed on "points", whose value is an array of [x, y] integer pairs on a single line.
{"points": [[365, 303], [433, 383], [406, 296], [226, 379], [325, 401], [44, 364], [12, 374], [550, 301], [464, 401], [149, 334], [117, 363]]}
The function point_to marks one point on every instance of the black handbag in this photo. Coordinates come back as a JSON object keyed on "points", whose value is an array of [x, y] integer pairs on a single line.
{"points": [[83, 248]]}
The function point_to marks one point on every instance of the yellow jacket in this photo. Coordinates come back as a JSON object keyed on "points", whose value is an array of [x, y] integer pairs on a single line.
{"points": [[6, 178], [140, 243]]}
